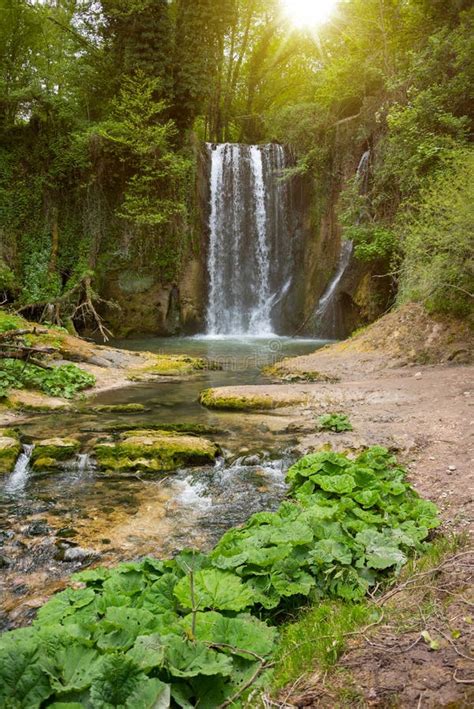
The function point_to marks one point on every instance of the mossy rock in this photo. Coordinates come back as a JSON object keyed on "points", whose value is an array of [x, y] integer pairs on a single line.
{"points": [[216, 399], [45, 464], [117, 408], [175, 365], [282, 372], [154, 451], [194, 429], [172, 366], [55, 449], [10, 449]]}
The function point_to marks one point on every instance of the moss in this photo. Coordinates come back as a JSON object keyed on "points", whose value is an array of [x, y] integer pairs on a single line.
{"points": [[8, 321], [196, 429], [215, 399], [56, 449], [10, 449], [117, 408], [284, 372], [174, 365], [154, 451], [45, 463]]}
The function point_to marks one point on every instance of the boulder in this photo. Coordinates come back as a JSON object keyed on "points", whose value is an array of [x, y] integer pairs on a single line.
{"points": [[49, 452], [154, 451]]}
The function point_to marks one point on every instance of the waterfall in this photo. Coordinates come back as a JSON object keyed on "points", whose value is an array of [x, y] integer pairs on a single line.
{"points": [[250, 251], [327, 314], [16, 482]]}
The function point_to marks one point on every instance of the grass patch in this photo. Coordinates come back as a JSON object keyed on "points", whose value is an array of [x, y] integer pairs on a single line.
{"points": [[318, 638]]}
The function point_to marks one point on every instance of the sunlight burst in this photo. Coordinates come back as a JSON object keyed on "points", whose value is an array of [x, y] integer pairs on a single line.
{"points": [[308, 13]]}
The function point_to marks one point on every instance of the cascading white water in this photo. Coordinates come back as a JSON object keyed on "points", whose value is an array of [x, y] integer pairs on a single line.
{"points": [[16, 482], [250, 252], [260, 322], [328, 295], [326, 316]]}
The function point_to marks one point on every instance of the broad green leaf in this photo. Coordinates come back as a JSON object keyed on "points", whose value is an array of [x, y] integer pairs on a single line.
{"points": [[214, 589], [121, 626], [340, 484], [150, 694], [64, 604], [148, 652], [382, 557], [128, 583], [185, 658], [267, 556], [367, 498], [292, 533], [300, 584], [23, 682], [159, 596], [71, 667], [242, 633], [116, 680], [328, 550]]}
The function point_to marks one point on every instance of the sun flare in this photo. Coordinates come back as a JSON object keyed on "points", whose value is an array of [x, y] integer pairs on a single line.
{"points": [[308, 13]]}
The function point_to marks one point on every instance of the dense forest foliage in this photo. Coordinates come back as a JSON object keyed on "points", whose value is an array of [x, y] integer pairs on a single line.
{"points": [[103, 105]]}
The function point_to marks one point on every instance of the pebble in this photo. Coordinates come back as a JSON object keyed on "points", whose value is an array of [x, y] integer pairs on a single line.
{"points": [[38, 528], [78, 554], [451, 468], [418, 375]]}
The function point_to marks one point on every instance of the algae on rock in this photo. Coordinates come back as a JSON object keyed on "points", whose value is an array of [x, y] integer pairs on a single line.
{"points": [[10, 449], [220, 399], [49, 452], [154, 451]]}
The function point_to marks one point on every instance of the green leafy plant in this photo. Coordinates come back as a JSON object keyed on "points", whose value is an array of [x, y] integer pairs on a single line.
{"points": [[334, 422], [200, 628], [65, 381]]}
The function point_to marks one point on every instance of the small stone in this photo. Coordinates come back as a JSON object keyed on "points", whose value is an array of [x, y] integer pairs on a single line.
{"points": [[66, 532], [251, 460], [451, 468], [38, 528], [78, 554], [418, 375]]}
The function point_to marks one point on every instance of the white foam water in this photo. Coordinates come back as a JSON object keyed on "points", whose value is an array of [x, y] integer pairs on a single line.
{"points": [[16, 482]]}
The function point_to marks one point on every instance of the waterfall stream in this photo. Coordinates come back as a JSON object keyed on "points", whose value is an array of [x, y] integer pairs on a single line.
{"points": [[250, 252], [16, 483], [327, 313]]}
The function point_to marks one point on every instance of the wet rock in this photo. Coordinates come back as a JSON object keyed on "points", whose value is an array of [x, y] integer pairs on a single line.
{"points": [[66, 532], [233, 399], [10, 449], [78, 554], [47, 453], [4, 562], [154, 451], [118, 408], [38, 528], [251, 460]]}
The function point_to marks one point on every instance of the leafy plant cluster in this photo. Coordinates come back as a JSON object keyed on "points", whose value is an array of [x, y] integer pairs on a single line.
{"points": [[334, 422], [200, 628], [65, 381]]}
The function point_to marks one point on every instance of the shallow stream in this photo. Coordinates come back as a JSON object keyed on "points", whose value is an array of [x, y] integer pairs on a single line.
{"points": [[112, 518]]}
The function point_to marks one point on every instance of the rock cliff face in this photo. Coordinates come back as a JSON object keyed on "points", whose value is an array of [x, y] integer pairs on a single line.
{"points": [[305, 249]]}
